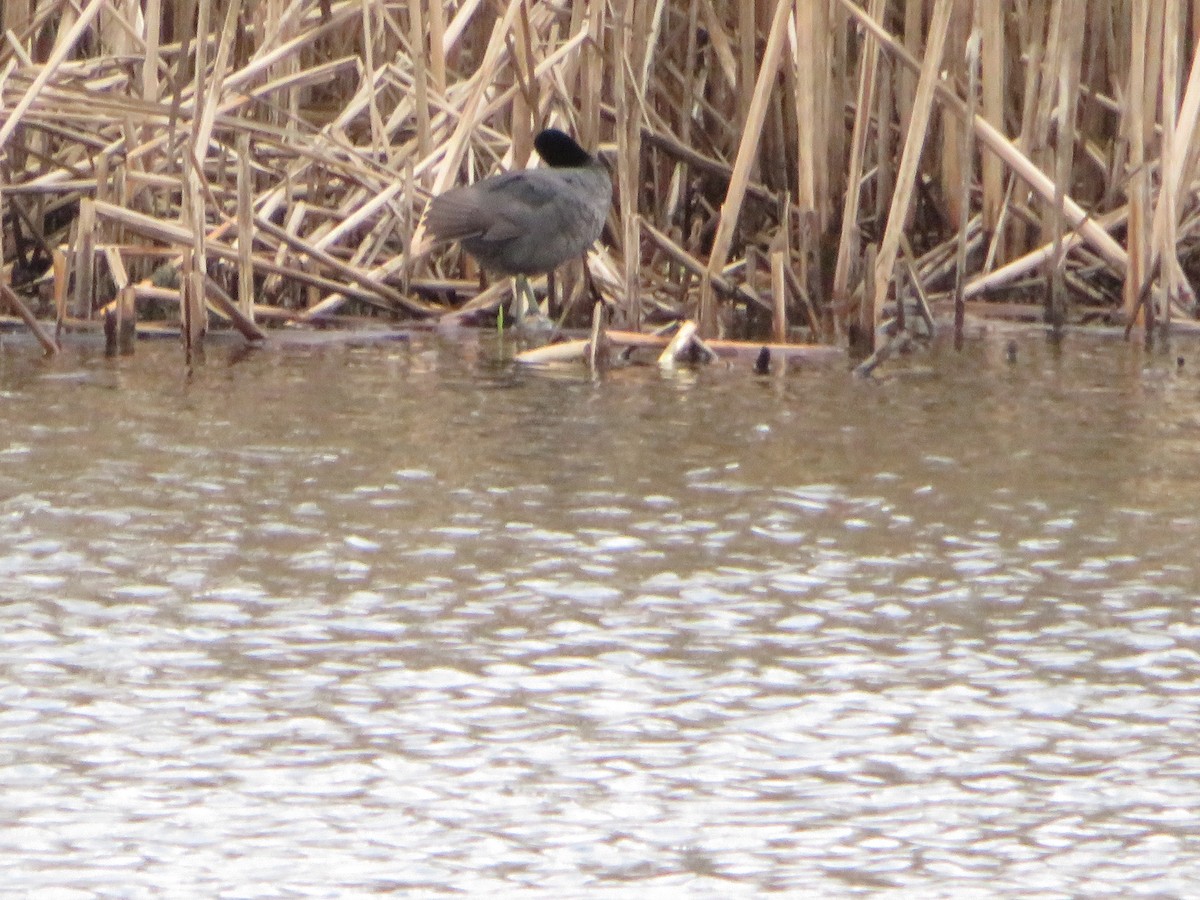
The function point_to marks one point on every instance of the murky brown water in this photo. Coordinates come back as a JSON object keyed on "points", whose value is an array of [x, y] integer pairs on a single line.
{"points": [[399, 619]]}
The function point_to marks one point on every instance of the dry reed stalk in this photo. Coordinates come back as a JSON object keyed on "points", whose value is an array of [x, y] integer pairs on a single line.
{"points": [[570, 351], [722, 48], [65, 45], [884, 155], [867, 302], [637, 23], [946, 154], [1021, 165], [597, 348], [485, 301], [677, 345], [1036, 258], [372, 18], [906, 80], [1048, 77], [779, 319], [192, 208], [913, 145], [966, 155], [276, 59], [1164, 233], [152, 58], [437, 50], [1134, 117], [692, 265], [745, 33], [363, 279], [85, 257], [453, 153], [457, 25], [591, 70], [895, 343], [911, 269], [125, 321], [731, 208], [181, 235], [19, 307], [527, 100], [58, 266], [808, 139], [838, 81], [352, 184], [225, 305], [848, 243], [990, 22], [245, 222], [1032, 34], [215, 80], [116, 267], [14, 17], [779, 259], [1069, 49], [651, 24], [417, 46], [1185, 140]]}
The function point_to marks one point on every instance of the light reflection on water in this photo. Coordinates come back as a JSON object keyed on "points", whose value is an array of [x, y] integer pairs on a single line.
{"points": [[330, 621]]}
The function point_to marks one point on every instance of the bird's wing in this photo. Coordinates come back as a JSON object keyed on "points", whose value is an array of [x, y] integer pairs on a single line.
{"points": [[497, 209]]}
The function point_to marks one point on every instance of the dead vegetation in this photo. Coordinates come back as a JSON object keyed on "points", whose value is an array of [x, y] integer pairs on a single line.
{"points": [[783, 167]]}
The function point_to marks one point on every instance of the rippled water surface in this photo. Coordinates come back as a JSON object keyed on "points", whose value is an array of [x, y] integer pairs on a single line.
{"points": [[399, 619]]}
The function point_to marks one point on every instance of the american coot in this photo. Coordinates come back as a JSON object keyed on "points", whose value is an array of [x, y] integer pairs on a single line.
{"points": [[528, 222]]}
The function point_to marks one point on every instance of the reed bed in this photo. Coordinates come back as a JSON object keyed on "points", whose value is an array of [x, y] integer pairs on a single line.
{"points": [[802, 170]]}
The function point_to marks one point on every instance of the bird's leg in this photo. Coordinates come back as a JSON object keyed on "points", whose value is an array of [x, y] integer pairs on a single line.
{"points": [[587, 273], [597, 297], [551, 293], [517, 307], [524, 301]]}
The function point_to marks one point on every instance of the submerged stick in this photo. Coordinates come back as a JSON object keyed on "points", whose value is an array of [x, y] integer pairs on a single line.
{"points": [[575, 350], [597, 354], [675, 347], [29, 319], [895, 344]]}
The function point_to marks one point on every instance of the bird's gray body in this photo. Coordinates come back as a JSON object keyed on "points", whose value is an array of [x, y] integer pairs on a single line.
{"points": [[527, 222]]}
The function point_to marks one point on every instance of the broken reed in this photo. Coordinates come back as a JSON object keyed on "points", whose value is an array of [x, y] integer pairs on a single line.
{"points": [[793, 165]]}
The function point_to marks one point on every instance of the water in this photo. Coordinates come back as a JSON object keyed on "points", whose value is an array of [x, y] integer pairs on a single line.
{"points": [[402, 620]]}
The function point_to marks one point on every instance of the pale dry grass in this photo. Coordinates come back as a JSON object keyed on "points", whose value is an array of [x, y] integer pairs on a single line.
{"points": [[781, 168]]}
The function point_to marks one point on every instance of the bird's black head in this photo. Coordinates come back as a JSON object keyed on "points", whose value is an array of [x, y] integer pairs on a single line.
{"points": [[559, 150]]}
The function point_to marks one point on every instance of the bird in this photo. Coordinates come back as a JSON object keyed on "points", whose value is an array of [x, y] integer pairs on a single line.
{"points": [[530, 221]]}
